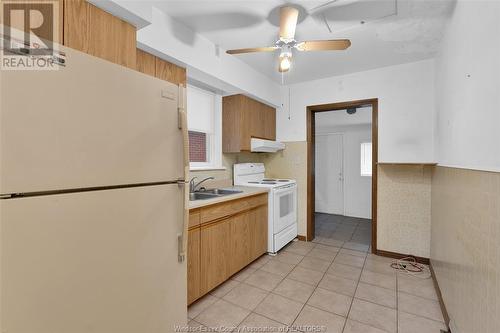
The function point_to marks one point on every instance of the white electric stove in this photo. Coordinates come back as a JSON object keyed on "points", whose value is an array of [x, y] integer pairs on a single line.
{"points": [[282, 204]]}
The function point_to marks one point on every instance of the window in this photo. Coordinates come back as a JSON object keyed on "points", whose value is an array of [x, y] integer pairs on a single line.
{"points": [[204, 112], [366, 159]]}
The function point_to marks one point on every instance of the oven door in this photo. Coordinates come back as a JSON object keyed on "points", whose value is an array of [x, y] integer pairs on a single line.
{"points": [[285, 207]]}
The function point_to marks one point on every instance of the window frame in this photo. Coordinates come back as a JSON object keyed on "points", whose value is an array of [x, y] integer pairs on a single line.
{"points": [[214, 140]]}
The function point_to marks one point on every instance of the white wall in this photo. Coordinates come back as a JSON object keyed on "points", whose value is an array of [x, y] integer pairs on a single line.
{"points": [[167, 38], [468, 88], [357, 189], [465, 237], [406, 107]]}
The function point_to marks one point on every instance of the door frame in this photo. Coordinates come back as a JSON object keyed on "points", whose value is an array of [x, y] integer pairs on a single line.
{"points": [[342, 166], [310, 124]]}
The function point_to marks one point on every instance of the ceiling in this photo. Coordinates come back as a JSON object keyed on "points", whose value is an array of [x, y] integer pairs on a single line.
{"points": [[326, 120], [394, 31]]}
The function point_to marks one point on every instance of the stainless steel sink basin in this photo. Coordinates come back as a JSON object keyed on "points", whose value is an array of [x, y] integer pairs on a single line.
{"points": [[201, 196], [220, 191], [210, 194]]}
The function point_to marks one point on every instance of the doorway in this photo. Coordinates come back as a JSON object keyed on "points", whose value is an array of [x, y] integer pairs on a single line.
{"points": [[333, 155]]}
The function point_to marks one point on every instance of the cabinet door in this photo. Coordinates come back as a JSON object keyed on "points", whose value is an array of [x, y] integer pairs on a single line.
{"points": [[111, 38], [145, 63], [258, 231], [256, 116], [246, 123], [215, 254], [76, 24], [269, 122], [170, 72], [241, 246], [193, 265]]}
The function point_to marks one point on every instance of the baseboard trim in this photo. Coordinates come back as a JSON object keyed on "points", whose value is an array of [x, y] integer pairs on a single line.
{"points": [[440, 298], [302, 238], [396, 255]]}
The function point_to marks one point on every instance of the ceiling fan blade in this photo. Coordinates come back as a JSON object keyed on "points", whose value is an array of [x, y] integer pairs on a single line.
{"points": [[288, 22], [253, 49], [324, 45]]}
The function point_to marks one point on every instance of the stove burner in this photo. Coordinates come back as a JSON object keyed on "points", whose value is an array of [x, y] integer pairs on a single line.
{"points": [[283, 180], [253, 182], [268, 183], [268, 180]]}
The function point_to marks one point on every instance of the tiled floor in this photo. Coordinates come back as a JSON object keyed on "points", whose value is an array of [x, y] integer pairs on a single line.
{"points": [[333, 229], [333, 288]]}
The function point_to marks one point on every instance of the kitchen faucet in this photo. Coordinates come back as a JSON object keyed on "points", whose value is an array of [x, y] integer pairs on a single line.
{"points": [[193, 185]]}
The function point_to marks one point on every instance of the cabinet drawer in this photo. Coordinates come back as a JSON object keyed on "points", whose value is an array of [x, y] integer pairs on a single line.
{"points": [[224, 209], [194, 218]]}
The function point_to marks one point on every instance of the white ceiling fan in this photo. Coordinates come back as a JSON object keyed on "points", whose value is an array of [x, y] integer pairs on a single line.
{"points": [[286, 42]]}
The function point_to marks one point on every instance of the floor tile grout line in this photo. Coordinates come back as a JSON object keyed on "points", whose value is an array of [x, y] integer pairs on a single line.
{"points": [[422, 317], [353, 296], [375, 285], [338, 245], [303, 305], [267, 291], [271, 292], [315, 287], [418, 296]]}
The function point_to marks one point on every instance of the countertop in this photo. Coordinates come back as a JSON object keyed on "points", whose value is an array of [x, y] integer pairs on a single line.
{"points": [[247, 191]]}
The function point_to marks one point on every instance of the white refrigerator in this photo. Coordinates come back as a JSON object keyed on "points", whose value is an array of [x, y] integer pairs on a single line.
{"points": [[92, 208]]}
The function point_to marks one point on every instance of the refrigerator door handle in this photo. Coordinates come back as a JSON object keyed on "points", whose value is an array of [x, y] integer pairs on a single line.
{"points": [[180, 248], [181, 108], [181, 244]]}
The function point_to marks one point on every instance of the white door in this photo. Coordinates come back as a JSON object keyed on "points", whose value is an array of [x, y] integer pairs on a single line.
{"points": [[102, 261], [329, 177]]}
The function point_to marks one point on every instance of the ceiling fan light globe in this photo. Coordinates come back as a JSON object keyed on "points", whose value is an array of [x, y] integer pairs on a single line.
{"points": [[285, 64]]}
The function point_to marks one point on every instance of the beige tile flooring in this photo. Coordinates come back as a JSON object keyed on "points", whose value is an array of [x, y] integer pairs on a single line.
{"points": [[332, 288]]}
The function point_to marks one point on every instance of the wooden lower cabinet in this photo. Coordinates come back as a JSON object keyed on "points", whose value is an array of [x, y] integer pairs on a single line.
{"points": [[240, 242], [215, 254], [258, 232], [193, 265], [220, 248]]}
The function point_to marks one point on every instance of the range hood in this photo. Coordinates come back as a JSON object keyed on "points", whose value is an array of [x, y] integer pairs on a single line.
{"points": [[265, 146]]}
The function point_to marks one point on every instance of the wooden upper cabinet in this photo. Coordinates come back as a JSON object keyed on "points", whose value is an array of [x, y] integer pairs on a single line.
{"points": [[170, 72], [76, 24], [164, 70], [111, 38], [269, 118], [244, 118], [90, 29], [146, 63]]}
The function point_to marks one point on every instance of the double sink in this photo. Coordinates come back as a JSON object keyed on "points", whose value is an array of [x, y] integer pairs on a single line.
{"points": [[210, 194]]}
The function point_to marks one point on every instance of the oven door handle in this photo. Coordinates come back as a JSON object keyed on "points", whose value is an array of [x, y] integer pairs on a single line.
{"points": [[289, 188]]}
